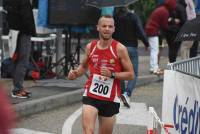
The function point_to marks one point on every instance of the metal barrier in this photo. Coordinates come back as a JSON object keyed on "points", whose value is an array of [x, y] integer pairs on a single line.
{"points": [[190, 66]]}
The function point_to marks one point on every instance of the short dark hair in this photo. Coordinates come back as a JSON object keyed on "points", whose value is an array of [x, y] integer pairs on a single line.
{"points": [[106, 16]]}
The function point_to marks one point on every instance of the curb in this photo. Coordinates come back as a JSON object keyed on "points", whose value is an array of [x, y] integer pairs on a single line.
{"points": [[51, 102], [35, 106]]}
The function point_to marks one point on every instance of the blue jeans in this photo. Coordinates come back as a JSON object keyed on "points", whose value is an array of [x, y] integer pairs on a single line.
{"points": [[133, 54], [23, 51]]}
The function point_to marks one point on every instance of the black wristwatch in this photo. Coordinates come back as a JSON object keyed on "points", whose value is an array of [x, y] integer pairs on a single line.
{"points": [[112, 75]]}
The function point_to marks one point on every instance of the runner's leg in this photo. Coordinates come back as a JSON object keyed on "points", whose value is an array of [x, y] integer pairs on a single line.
{"points": [[106, 124], [89, 115]]}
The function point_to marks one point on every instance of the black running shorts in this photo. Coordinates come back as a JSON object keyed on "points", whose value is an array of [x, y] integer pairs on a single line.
{"points": [[105, 108]]}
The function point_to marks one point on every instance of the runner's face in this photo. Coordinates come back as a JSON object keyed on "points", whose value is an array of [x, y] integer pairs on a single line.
{"points": [[106, 28]]}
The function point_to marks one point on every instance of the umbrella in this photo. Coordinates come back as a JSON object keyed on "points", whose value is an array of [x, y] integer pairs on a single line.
{"points": [[71, 12], [106, 3], [190, 30]]}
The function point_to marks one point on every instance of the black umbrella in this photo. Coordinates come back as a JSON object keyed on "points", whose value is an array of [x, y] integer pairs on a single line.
{"points": [[106, 3], [189, 31]]}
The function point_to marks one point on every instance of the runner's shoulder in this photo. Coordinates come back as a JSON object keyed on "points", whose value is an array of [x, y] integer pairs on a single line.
{"points": [[121, 47]]}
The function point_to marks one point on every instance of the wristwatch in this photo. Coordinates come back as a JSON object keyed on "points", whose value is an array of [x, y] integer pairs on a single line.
{"points": [[112, 75]]}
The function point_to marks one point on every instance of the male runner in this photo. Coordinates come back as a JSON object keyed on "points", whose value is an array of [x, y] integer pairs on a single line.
{"points": [[108, 63]]}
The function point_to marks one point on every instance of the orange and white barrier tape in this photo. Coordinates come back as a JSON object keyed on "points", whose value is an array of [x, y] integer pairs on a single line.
{"points": [[154, 120]]}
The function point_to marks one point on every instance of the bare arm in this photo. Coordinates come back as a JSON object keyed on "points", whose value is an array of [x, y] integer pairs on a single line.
{"points": [[127, 72], [82, 68]]}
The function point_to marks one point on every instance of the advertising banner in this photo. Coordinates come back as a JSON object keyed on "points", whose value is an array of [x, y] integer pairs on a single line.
{"points": [[181, 103]]}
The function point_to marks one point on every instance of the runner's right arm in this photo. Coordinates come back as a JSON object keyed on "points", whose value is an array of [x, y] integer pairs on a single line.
{"points": [[82, 68]]}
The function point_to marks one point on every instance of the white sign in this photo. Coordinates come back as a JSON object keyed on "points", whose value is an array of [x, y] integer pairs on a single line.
{"points": [[181, 103]]}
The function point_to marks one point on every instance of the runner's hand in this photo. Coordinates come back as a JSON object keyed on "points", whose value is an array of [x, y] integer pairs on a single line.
{"points": [[105, 72], [73, 74]]}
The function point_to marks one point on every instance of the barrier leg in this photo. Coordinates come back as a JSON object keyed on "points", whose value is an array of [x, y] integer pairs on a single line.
{"points": [[152, 125]]}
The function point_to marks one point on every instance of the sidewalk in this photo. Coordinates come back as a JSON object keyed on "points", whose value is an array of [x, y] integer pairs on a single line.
{"points": [[53, 93]]}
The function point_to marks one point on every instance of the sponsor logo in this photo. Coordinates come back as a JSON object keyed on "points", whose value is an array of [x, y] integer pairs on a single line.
{"points": [[186, 117], [112, 61]]}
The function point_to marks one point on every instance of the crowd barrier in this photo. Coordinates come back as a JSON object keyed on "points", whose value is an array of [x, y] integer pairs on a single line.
{"points": [[190, 66], [180, 100], [181, 96]]}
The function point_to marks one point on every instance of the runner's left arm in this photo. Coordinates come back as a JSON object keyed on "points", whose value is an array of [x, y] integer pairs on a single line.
{"points": [[127, 72]]}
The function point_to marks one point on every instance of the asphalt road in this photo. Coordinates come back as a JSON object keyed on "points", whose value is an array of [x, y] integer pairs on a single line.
{"points": [[129, 121]]}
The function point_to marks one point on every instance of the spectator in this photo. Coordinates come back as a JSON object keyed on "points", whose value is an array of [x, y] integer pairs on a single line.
{"points": [[20, 17], [128, 30], [157, 21], [175, 22], [194, 48], [186, 45]]}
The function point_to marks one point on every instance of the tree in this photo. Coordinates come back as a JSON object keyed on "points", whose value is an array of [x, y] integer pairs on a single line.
{"points": [[144, 8]]}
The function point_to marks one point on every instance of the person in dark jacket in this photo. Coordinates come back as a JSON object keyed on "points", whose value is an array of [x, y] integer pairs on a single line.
{"points": [[176, 20], [128, 29], [157, 21], [20, 18], [194, 48]]}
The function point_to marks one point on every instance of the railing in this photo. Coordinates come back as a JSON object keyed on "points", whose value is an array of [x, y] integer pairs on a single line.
{"points": [[190, 66]]}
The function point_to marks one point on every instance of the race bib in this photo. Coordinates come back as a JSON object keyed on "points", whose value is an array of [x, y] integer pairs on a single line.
{"points": [[101, 86]]}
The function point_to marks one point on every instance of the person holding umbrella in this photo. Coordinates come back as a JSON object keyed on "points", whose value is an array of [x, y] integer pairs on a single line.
{"points": [[108, 63], [194, 48], [187, 45]]}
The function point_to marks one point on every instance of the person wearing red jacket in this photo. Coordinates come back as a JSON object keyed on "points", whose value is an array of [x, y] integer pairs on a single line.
{"points": [[157, 21]]}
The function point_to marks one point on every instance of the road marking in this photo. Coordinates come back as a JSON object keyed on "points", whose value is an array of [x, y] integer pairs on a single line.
{"points": [[136, 115], [26, 131], [67, 127]]}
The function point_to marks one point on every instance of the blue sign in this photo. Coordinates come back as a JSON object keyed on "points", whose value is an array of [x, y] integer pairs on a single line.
{"points": [[42, 13]]}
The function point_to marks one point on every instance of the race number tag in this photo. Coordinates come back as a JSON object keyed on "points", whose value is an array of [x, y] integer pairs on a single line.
{"points": [[101, 86]]}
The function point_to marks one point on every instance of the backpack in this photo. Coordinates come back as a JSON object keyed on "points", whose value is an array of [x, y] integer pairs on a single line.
{"points": [[7, 68]]}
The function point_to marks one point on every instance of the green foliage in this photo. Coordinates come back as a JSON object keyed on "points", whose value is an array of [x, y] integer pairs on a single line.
{"points": [[144, 8]]}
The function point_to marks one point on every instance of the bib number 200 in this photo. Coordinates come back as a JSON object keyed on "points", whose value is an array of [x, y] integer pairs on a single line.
{"points": [[100, 88]]}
